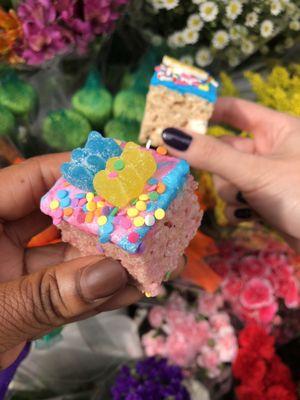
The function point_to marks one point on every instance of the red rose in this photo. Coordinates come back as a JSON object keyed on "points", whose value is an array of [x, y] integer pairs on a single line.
{"points": [[250, 369], [255, 339], [247, 393], [278, 392]]}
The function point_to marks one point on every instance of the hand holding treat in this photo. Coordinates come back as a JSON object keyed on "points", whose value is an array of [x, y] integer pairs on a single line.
{"points": [[46, 287], [265, 170], [129, 203]]}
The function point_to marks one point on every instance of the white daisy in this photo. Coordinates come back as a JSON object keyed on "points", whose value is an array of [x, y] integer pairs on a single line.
{"points": [[208, 11], [251, 19], [198, 1], [203, 57], [190, 36], [233, 61], [294, 25], [266, 28], [157, 4], [237, 31], [289, 42], [275, 7], [234, 9], [170, 4], [220, 39], [187, 59], [178, 39], [247, 47], [194, 22], [156, 40]]}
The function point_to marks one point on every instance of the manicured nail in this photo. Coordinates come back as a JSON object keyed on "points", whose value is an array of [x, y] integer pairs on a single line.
{"points": [[176, 139], [240, 198], [101, 279], [243, 213]]}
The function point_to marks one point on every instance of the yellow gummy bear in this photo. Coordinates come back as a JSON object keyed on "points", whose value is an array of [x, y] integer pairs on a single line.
{"points": [[125, 177]]}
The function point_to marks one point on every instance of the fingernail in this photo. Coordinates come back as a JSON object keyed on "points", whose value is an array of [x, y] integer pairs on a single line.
{"points": [[176, 139], [243, 213], [102, 279], [240, 198]]}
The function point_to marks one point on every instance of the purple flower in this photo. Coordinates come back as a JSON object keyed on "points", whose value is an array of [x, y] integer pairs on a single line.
{"points": [[102, 14], [54, 27], [151, 378], [43, 37]]}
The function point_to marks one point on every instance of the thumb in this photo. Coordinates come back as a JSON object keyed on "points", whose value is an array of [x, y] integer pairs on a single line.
{"points": [[35, 304], [205, 152]]}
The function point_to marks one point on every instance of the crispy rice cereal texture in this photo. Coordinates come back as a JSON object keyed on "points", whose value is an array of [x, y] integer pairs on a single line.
{"points": [[161, 248], [165, 108]]}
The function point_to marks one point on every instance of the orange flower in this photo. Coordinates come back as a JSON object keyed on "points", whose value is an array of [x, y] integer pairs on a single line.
{"points": [[10, 32]]}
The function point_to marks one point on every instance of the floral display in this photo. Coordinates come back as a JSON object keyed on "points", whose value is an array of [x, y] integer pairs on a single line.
{"points": [[259, 276], [270, 378], [40, 30], [10, 33], [196, 336], [205, 31], [152, 378]]}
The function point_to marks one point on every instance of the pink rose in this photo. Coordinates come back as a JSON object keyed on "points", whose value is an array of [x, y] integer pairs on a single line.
{"points": [[267, 314], [154, 345], [289, 291], [257, 293], [226, 347], [156, 316], [219, 320], [252, 267], [232, 287], [209, 360], [179, 350], [209, 304]]}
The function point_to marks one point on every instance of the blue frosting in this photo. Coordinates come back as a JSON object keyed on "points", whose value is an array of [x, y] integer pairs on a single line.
{"points": [[174, 182], [87, 161], [210, 95]]}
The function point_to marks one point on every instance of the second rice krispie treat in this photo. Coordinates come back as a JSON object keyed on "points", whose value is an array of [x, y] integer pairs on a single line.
{"points": [[180, 96]]}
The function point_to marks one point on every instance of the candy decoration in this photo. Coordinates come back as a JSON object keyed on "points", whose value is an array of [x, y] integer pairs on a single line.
{"points": [[139, 166], [86, 162]]}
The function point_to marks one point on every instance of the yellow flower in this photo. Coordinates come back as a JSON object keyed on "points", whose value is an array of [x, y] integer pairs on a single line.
{"points": [[227, 86]]}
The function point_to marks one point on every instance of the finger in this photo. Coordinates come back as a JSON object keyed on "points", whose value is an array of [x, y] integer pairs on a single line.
{"points": [[236, 215], [247, 116], [246, 171], [226, 190], [129, 295], [22, 230], [242, 144], [39, 258], [50, 298], [22, 185]]}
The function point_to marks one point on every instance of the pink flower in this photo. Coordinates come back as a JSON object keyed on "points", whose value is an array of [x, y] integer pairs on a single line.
{"points": [[267, 314], [156, 316], [290, 292], [226, 347], [209, 359], [232, 287], [209, 304], [154, 345], [179, 350], [219, 320], [252, 267], [257, 293]]}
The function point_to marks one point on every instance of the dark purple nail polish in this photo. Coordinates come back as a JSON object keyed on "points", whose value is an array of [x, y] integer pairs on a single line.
{"points": [[240, 198], [177, 139], [243, 213]]}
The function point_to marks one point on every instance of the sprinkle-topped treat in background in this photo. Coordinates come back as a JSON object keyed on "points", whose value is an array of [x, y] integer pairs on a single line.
{"points": [[181, 96], [133, 204]]}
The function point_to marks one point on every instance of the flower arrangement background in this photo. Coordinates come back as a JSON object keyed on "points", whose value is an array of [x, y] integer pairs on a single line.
{"points": [[218, 32]]}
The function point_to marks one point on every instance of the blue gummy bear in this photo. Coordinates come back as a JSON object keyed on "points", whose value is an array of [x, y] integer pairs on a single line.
{"points": [[87, 161]]}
